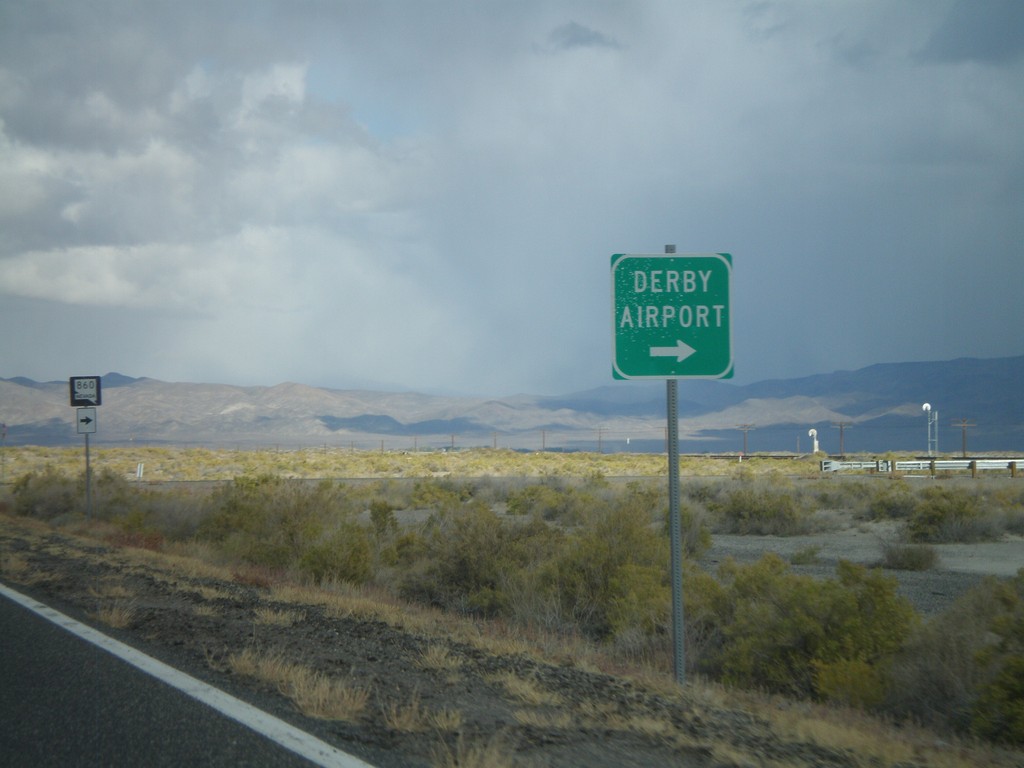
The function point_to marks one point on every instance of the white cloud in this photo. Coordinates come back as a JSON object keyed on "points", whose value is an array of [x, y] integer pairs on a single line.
{"points": [[432, 194]]}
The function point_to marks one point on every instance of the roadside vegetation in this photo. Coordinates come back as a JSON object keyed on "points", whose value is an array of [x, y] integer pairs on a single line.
{"points": [[571, 550]]}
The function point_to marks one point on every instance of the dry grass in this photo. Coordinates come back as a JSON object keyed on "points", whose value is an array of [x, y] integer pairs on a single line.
{"points": [[494, 753], [407, 718], [415, 718], [209, 593], [119, 615], [278, 618], [439, 658], [343, 601], [315, 694], [196, 560], [446, 720], [545, 720], [526, 691], [201, 464], [14, 566], [607, 716], [872, 741], [111, 591]]}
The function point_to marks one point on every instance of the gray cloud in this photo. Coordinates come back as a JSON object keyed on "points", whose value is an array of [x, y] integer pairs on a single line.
{"points": [[979, 30], [573, 35], [423, 195]]}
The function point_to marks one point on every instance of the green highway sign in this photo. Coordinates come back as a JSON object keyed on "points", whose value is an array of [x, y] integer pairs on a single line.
{"points": [[671, 317]]}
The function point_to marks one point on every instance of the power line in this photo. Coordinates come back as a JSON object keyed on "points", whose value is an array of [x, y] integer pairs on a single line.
{"points": [[746, 428], [964, 424], [842, 425]]}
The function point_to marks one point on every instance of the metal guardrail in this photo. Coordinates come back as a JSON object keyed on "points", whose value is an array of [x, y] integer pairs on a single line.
{"points": [[933, 465]]}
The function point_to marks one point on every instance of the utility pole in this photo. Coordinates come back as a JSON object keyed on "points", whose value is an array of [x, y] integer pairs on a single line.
{"points": [[842, 425], [964, 424], [746, 428]]}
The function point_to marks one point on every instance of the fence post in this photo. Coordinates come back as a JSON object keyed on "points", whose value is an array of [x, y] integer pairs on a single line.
{"points": [[974, 468]]}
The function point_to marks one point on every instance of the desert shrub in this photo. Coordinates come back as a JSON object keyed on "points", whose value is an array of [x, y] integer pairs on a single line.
{"points": [[998, 711], [701, 492], [567, 506], [1013, 520], [464, 548], [467, 559], [344, 556], [894, 501], [638, 601], [270, 521], [806, 556], [944, 513], [611, 573], [175, 514], [112, 496], [382, 518], [47, 494], [960, 669], [704, 598], [907, 556], [397, 494], [696, 534], [761, 510], [850, 682], [800, 636], [440, 493], [846, 493]]}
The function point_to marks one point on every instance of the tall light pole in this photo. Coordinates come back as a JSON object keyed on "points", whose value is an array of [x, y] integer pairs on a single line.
{"points": [[932, 419]]}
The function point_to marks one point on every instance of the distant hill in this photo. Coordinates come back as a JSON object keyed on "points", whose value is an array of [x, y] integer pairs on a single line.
{"points": [[878, 406]]}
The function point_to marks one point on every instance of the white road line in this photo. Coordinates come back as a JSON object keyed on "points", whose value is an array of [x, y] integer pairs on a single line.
{"points": [[288, 736]]}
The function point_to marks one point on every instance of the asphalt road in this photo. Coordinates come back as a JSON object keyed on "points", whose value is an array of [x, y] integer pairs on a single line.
{"points": [[66, 702]]}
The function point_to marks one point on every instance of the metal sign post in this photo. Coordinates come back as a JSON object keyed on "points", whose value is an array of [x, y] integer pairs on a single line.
{"points": [[88, 479], [675, 531], [671, 319], [86, 395], [86, 425]]}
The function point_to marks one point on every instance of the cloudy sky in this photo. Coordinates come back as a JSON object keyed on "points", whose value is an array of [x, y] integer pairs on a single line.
{"points": [[425, 194]]}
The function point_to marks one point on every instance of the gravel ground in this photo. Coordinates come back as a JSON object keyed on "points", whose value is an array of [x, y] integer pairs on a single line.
{"points": [[443, 695], [959, 566]]}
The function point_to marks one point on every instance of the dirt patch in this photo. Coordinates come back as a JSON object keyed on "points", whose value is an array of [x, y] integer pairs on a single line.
{"points": [[440, 691]]}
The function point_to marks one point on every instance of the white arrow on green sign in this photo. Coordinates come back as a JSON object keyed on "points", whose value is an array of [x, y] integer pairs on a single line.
{"points": [[671, 317]]}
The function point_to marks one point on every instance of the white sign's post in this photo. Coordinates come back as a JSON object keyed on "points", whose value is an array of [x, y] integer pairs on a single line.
{"points": [[671, 319], [85, 396]]}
